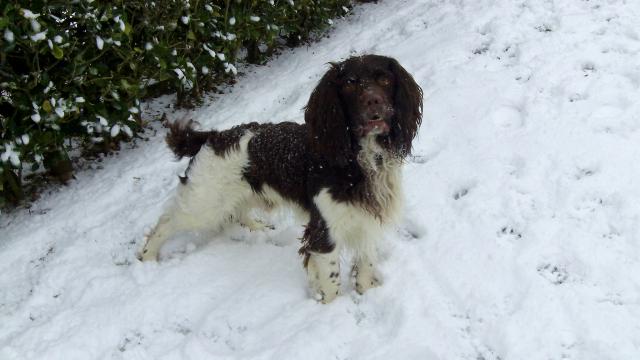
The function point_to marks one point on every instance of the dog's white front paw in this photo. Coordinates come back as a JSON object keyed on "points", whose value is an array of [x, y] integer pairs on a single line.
{"points": [[323, 273], [366, 277]]}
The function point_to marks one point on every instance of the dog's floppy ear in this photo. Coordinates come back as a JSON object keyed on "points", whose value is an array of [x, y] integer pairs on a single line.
{"points": [[408, 107], [326, 120]]}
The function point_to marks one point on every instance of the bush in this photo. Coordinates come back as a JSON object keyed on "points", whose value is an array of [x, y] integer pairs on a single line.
{"points": [[73, 73]]}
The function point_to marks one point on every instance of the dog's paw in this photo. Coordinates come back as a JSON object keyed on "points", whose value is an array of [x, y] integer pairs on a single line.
{"points": [[362, 285], [325, 297], [324, 290], [323, 274], [366, 277], [145, 255]]}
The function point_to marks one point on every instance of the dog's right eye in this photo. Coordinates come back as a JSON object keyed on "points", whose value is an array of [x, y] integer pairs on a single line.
{"points": [[351, 81]]}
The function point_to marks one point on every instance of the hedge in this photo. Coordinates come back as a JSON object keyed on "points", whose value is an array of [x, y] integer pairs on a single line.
{"points": [[73, 73]]}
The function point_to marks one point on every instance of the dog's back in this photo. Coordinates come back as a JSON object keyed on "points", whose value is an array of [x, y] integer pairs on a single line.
{"points": [[184, 141], [278, 158]]}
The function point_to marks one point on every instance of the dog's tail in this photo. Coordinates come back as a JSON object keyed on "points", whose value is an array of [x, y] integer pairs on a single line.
{"points": [[184, 141]]}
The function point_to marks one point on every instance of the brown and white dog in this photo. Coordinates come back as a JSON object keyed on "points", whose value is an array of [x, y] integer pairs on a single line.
{"points": [[341, 170]]}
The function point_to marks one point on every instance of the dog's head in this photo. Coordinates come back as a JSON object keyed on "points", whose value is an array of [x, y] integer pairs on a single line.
{"points": [[362, 96]]}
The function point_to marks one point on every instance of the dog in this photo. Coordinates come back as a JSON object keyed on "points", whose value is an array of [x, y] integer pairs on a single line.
{"points": [[341, 170]]}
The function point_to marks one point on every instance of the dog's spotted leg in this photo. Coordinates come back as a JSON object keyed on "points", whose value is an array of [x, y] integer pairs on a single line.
{"points": [[365, 274], [323, 272]]}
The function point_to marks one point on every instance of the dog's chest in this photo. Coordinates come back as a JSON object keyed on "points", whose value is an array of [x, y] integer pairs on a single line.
{"points": [[372, 203], [381, 187]]}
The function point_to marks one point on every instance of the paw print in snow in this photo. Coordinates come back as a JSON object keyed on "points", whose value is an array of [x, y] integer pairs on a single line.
{"points": [[555, 274]]}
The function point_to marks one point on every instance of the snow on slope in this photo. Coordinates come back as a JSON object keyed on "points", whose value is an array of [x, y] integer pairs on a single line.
{"points": [[522, 225]]}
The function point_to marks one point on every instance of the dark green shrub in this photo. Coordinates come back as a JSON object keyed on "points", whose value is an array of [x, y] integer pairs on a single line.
{"points": [[73, 73]]}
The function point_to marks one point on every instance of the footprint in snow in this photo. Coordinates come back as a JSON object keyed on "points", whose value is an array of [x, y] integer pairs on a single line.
{"points": [[463, 190], [482, 48], [460, 194], [588, 68], [555, 274], [582, 173], [411, 230], [426, 155], [418, 159], [510, 233]]}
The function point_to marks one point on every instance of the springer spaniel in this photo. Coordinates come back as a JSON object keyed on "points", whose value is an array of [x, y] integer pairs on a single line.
{"points": [[341, 170]]}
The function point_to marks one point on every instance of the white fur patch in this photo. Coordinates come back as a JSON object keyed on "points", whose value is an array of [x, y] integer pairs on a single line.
{"points": [[213, 194], [349, 225], [383, 173], [215, 188], [354, 226]]}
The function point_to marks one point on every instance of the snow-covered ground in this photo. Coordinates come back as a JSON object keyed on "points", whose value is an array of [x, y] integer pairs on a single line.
{"points": [[521, 234]]}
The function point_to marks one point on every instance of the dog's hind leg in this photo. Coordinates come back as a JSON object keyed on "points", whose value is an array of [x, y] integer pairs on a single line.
{"points": [[213, 193], [163, 230], [178, 218]]}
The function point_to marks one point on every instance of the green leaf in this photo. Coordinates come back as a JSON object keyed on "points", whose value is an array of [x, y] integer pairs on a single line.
{"points": [[191, 35], [8, 8], [57, 52], [46, 106]]}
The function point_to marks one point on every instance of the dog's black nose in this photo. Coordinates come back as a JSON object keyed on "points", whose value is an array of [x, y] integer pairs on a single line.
{"points": [[373, 104], [372, 98]]}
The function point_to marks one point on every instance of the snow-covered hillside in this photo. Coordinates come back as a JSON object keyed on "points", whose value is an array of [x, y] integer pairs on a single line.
{"points": [[521, 238]]}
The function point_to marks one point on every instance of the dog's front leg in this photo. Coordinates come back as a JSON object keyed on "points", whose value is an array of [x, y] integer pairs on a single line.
{"points": [[322, 260], [365, 273], [323, 272]]}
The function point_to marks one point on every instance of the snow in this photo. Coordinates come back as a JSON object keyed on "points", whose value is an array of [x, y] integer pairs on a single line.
{"points": [[520, 238], [180, 73], [115, 130], [39, 36], [28, 14], [35, 25], [8, 35], [25, 139], [99, 42]]}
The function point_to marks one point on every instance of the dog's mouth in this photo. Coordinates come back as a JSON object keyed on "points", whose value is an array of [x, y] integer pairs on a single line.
{"points": [[376, 127]]}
